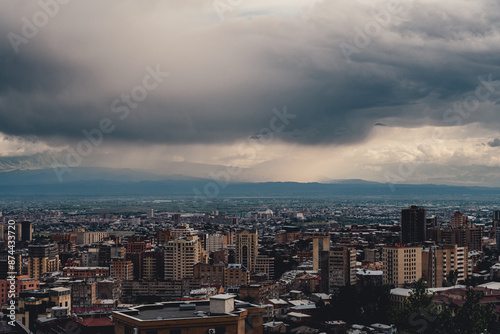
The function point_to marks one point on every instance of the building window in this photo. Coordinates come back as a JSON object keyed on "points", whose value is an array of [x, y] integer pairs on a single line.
{"points": [[248, 324]]}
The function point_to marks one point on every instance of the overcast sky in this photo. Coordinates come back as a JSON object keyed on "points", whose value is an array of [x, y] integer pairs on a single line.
{"points": [[294, 90]]}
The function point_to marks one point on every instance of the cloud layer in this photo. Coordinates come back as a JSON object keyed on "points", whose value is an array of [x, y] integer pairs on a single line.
{"points": [[344, 68]]}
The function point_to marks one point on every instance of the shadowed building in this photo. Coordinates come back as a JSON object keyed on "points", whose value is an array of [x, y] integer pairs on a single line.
{"points": [[413, 225], [320, 243], [458, 220], [469, 237], [338, 268], [42, 259], [26, 231], [496, 227], [153, 265]]}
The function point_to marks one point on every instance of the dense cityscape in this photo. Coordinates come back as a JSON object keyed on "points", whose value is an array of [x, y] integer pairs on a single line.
{"points": [[249, 167], [289, 267]]}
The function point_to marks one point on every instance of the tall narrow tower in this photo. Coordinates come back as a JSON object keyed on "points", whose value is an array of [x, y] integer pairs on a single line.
{"points": [[320, 243], [26, 231], [496, 226], [413, 225], [458, 220], [247, 248]]}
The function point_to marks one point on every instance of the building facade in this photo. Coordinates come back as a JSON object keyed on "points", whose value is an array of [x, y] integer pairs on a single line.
{"points": [[265, 265], [83, 294], [153, 265], [236, 275], [216, 241], [122, 269], [210, 274], [154, 291], [401, 265], [86, 272], [42, 259], [246, 248], [22, 283], [458, 220], [469, 237], [88, 238], [320, 243], [260, 293], [338, 269], [232, 275], [180, 257], [413, 225]]}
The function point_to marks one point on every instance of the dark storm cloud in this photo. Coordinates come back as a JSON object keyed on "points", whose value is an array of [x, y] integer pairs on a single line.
{"points": [[494, 143], [226, 77]]}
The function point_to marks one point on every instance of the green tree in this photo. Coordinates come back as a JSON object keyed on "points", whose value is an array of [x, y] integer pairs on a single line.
{"points": [[366, 306], [346, 304], [473, 281], [472, 317], [444, 322], [418, 311], [484, 265], [451, 278], [375, 301]]}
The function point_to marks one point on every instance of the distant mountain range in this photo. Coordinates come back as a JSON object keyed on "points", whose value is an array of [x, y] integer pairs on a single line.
{"points": [[33, 175], [124, 182]]}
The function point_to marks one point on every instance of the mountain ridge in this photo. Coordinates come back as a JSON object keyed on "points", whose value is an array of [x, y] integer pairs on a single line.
{"points": [[90, 181]]}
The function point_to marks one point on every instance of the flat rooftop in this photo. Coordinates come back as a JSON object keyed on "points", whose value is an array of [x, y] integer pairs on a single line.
{"points": [[223, 296], [172, 311], [86, 268]]}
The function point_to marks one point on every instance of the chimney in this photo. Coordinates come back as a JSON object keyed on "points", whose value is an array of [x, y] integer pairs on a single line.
{"points": [[222, 304]]}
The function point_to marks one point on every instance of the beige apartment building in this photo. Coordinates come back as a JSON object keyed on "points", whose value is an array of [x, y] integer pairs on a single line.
{"points": [[401, 265], [42, 259], [88, 238], [181, 255]]}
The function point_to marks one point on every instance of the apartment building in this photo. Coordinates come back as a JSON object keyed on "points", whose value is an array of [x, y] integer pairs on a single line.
{"points": [[401, 265]]}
